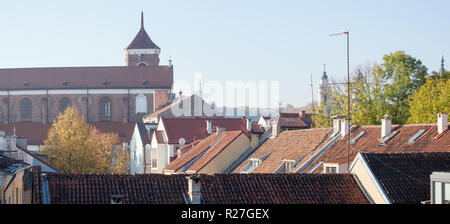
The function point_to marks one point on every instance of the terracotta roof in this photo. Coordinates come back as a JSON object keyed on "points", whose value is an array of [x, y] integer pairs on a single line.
{"points": [[256, 128], [370, 142], [36, 133], [291, 120], [289, 145], [159, 137], [86, 77], [203, 152], [405, 177], [144, 133], [216, 189], [194, 127]]}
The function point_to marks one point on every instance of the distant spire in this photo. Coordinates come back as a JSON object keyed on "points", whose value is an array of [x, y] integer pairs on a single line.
{"points": [[142, 20], [324, 76], [442, 65]]}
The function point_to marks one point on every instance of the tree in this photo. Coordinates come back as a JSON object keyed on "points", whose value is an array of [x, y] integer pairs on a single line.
{"points": [[401, 76], [72, 146], [431, 98]]}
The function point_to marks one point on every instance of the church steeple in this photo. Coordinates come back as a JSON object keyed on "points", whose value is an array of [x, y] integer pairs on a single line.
{"points": [[442, 70], [142, 51]]}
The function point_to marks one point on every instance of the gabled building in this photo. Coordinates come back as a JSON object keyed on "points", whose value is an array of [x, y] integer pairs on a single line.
{"points": [[199, 189], [15, 181], [385, 138], [214, 154], [398, 178], [172, 134]]}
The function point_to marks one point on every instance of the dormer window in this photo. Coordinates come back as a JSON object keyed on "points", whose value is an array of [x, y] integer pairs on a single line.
{"points": [[65, 83], [386, 139], [105, 82], [142, 64], [26, 83], [357, 137], [286, 166], [253, 163], [145, 82], [141, 57]]}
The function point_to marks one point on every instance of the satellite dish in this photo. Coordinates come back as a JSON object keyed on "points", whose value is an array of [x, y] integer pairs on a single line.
{"points": [[181, 141]]}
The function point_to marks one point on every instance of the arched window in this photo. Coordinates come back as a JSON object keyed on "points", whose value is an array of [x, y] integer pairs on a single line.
{"points": [[25, 109], [63, 105], [105, 109], [142, 64], [141, 103]]}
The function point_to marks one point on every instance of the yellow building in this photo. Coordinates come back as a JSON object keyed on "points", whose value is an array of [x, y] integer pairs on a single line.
{"points": [[15, 181]]}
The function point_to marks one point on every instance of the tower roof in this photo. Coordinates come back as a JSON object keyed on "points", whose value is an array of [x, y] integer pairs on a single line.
{"points": [[324, 76], [142, 40], [442, 70]]}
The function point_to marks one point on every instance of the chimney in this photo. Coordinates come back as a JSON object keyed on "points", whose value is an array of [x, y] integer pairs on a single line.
{"points": [[194, 189], [209, 127], [345, 127], [219, 130], [275, 129], [249, 124], [386, 125], [442, 122], [336, 124], [180, 94], [302, 114]]}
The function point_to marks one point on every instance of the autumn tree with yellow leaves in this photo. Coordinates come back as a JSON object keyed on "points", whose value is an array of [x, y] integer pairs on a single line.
{"points": [[73, 146]]}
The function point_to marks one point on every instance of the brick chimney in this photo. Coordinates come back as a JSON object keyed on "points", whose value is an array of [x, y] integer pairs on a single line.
{"points": [[345, 127], [194, 189], [442, 122], [386, 126], [209, 127], [219, 130], [275, 129]]}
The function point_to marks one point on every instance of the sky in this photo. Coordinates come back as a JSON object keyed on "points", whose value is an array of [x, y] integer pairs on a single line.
{"points": [[258, 40]]}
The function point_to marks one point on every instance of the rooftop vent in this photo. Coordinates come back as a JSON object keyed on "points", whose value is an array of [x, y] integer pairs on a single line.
{"points": [[65, 83], [145, 82], [105, 82], [26, 83]]}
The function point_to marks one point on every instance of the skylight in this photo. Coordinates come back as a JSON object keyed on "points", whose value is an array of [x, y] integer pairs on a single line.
{"points": [[387, 138], [357, 137], [416, 136]]}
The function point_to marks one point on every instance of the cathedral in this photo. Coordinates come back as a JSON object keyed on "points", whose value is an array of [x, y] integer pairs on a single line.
{"points": [[100, 94]]}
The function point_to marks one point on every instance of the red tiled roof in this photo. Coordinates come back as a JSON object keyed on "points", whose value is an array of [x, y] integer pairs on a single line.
{"points": [[36, 133], [86, 77], [290, 145], [194, 127], [429, 141], [216, 189], [291, 120], [210, 146], [256, 128], [405, 177]]}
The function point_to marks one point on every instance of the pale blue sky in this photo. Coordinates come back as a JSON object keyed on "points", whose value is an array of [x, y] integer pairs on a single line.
{"points": [[227, 40]]}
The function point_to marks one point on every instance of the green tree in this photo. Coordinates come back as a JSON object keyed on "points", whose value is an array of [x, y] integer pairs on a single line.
{"points": [[401, 75], [431, 98]]}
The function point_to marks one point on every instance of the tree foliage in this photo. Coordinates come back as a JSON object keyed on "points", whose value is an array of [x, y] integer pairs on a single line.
{"points": [[376, 90], [430, 99], [72, 146]]}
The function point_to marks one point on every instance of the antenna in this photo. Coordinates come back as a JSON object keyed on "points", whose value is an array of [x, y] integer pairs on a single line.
{"points": [[312, 93]]}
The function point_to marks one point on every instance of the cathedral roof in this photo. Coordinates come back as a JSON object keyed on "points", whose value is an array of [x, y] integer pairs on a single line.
{"points": [[142, 40]]}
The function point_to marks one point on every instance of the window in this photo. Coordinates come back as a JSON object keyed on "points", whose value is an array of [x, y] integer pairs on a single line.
{"points": [[330, 169], [154, 155], [142, 64], [415, 136], [25, 109], [106, 109], [142, 57], [63, 105]]}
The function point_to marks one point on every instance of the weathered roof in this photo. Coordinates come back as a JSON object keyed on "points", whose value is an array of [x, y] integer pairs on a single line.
{"points": [[429, 141], [36, 133], [86, 77], [294, 120], [289, 145], [203, 152], [405, 177], [9, 165], [191, 128], [216, 189]]}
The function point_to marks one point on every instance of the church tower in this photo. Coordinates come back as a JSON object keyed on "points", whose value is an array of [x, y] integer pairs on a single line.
{"points": [[142, 51], [323, 89], [442, 70]]}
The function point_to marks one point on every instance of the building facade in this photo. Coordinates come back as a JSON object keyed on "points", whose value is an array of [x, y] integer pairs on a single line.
{"points": [[100, 94]]}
